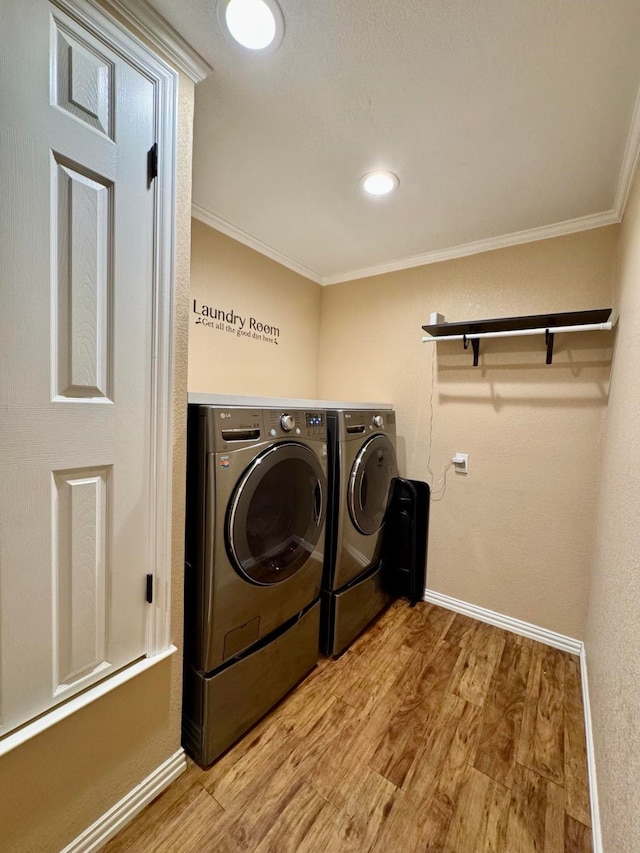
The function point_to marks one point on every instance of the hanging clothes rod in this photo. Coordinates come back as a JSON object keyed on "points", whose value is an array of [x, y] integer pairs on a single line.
{"points": [[587, 327], [473, 331]]}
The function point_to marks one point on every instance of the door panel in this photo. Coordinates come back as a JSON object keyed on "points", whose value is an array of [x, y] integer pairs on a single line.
{"points": [[76, 122], [82, 80], [82, 280], [80, 560]]}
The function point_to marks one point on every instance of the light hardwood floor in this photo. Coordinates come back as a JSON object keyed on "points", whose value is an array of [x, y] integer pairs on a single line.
{"points": [[432, 732]]}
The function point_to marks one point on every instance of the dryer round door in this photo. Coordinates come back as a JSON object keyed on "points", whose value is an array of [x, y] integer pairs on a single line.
{"points": [[369, 489], [276, 514]]}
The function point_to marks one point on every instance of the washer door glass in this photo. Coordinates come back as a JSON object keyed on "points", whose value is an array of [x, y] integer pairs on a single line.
{"points": [[370, 484], [276, 514]]}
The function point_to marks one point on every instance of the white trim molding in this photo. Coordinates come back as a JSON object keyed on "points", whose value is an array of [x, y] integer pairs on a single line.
{"points": [[531, 235], [114, 820], [66, 709], [572, 226], [557, 641], [508, 623], [163, 37], [213, 221], [596, 831], [629, 162]]}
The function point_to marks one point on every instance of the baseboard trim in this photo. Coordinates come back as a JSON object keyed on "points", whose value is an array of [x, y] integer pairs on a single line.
{"points": [[596, 832], [557, 641], [119, 815], [516, 626]]}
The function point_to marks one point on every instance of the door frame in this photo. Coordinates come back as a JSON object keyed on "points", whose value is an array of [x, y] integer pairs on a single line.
{"points": [[93, 16]]}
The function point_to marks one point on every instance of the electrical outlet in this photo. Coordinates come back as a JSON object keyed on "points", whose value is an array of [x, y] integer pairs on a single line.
{"points": [[461, 463]]}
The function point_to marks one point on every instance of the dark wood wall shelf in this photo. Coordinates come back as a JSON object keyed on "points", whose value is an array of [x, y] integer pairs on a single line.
{"points": [[471, 331]]}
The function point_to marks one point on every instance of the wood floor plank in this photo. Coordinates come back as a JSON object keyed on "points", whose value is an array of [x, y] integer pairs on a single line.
{"points": [[527, 812], [323, 743], [306, 821], [499, 733], [247, 821], [479, 820], [577, 836], [369, 803], [334, 770], [536, 814], [575, 746], [554, 819], [541, 746], [367, 690], [413, 702], [401, 829], [241, 768], [427, 624], [462, 630], [305, 705], [473, 673], [441, 799]]}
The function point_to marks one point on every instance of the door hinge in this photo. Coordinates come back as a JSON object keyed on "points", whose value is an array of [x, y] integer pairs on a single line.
{"points": [[150, 589], [152, 163]]}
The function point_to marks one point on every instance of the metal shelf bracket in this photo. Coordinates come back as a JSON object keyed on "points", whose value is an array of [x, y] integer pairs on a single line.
{"points": [[548, 336]]}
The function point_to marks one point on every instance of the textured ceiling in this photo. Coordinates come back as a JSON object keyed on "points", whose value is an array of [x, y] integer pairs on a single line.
{"points": [[500, 117]]}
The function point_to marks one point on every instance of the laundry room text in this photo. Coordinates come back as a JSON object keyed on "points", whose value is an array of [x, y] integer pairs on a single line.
{"points": [[227, 320]]}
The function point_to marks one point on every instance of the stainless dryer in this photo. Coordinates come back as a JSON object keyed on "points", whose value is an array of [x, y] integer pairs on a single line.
{"points": [[256, 506], [362, 466]]}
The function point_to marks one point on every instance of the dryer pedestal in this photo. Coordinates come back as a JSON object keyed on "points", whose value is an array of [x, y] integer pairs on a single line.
{"points": [[348, 612], [222, 706]]}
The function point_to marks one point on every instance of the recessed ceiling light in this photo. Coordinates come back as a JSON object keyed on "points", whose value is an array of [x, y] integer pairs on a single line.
{"points": [[379, 183], [255, 24]]}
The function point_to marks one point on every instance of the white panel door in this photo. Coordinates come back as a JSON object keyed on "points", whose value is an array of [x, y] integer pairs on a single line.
{"points": [[76, 348]]}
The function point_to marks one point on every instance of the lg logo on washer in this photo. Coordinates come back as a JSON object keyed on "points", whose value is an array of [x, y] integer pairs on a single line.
{"points": [[226, 320]]}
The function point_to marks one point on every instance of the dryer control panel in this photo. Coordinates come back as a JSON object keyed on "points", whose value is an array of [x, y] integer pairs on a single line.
{"points": [[355, 424]]}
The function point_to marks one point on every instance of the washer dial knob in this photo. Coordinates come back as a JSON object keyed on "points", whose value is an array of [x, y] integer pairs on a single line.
{"points": [[287, 422], [378, 420]]}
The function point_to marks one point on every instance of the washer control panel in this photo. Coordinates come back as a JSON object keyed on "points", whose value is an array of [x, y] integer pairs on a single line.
{"points": [[296, 423]]}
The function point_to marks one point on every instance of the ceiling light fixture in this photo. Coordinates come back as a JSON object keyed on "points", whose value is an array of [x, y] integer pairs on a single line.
{"points": [[255, 24], [379, 183]]}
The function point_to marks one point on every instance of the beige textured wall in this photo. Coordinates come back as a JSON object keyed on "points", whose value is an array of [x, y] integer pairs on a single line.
{"points": [[516, 533], [230, 277], [56, 785], [613, 626]]}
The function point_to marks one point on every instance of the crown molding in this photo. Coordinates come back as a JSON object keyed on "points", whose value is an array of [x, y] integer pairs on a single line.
{"points": [[163, 37], [532, 235], [213, 221], [629, 162], [545, 232]]}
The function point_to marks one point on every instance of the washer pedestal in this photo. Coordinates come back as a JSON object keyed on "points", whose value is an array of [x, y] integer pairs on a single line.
{"points": [[222, 706]]}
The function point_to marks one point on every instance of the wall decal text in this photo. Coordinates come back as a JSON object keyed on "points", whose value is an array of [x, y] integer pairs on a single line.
{"points": [[227, 320]]}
